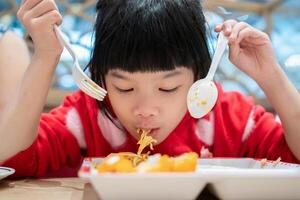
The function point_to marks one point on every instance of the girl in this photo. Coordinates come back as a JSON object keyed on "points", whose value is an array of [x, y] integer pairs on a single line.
{"points": [[147, 54]]}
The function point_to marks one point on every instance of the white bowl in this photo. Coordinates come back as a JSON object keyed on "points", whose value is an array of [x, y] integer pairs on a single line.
{"points": [[248, 180], [148, 186], [228, 179], [143, 185]]}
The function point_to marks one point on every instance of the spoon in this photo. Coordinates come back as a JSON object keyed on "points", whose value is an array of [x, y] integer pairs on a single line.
{"points": [[203, 94]]}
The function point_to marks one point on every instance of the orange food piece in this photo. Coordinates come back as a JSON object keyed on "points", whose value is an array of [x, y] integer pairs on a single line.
{"points": [[162, 164], [115, 164], [186, 162], [125, 166]]}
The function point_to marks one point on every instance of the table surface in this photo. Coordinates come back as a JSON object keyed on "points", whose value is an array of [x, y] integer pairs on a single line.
{"points": [[56, 188]]}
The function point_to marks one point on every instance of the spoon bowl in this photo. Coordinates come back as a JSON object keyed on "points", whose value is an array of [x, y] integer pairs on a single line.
{"points": [[203, 94]]}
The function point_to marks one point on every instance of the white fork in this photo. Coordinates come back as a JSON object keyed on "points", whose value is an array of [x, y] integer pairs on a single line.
{"points": [[86, 84]]}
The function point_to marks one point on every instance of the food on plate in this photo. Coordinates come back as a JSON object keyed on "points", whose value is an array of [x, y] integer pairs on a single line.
{"points": [[116, 163], [126, 162], [186, 162], [264, 162], [144, 141], [276, 162]]}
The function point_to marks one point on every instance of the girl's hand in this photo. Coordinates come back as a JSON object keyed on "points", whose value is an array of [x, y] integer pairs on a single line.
{"points": [[250, 49], [39, 17]]}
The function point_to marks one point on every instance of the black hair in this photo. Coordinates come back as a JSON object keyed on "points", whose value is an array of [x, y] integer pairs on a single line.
{"points": [[149, 36]]}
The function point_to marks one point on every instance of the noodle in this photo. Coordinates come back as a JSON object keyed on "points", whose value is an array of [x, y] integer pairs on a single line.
{"points": [[145, 141], [276, 162], [264, 162]]}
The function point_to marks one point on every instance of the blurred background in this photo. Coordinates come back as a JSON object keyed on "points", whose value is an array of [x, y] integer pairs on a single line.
{"points": [[279, 18]]}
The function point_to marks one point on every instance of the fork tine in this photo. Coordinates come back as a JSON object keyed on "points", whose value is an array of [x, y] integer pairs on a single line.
{"points": [[95, 93], [89, 90], [98, 97], [92, 89], [94, 86], [92, 92], [83, 85], [82, 77]]}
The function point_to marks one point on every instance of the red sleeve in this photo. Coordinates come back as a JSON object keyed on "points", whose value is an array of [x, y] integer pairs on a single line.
{"points": [[264, 137], [54, 148], [247, 130]]}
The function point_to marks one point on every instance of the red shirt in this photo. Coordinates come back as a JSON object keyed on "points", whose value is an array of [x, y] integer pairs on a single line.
{"points": [[234, 128]]}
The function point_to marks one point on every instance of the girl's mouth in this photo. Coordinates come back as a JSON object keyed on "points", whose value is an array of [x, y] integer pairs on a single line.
{"points": [[151, 131], [154, 130]]}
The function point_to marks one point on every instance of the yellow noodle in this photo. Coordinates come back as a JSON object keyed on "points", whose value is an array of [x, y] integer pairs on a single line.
{"points": [[145, 140], [276, 162]]}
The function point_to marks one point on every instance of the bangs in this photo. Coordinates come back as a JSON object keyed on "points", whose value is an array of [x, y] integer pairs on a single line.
{"points": [[149, 36]]}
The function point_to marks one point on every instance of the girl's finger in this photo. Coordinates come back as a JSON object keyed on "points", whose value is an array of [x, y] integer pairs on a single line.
{"points": [[40, 9], [218, 28], [25, 6], [53, 17], [234, 50], [236, 30], [29, 4], [227, 26], [250, 35]]}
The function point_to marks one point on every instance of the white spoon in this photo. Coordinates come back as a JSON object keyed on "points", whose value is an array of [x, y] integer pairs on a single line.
{"points": [[203, 94]]}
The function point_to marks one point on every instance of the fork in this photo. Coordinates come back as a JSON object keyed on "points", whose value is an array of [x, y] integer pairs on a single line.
{"points": [[82, 80]]}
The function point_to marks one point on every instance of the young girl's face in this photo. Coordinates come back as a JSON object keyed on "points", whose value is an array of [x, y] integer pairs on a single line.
{"points": [[149, 100]]}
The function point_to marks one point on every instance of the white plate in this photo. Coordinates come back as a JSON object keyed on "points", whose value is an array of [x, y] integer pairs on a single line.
{"points": [[246, 179], [143, 185], [5, 171], [227, 178]]}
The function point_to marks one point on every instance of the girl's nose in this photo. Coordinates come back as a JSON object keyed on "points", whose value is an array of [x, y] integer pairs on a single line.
{"points": [[145, 110]]}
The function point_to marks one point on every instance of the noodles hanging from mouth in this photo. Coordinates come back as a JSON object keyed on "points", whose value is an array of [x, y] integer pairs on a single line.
{"points": [[144, 141]]}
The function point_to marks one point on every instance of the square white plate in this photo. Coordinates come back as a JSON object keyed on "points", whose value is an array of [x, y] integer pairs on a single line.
{"points": [[241, 178], [246, 179], [142, 185], [5, 171]]}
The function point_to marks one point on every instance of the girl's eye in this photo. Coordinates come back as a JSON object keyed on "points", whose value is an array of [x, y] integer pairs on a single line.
{"points": [[168, 90], [124, 90]]}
